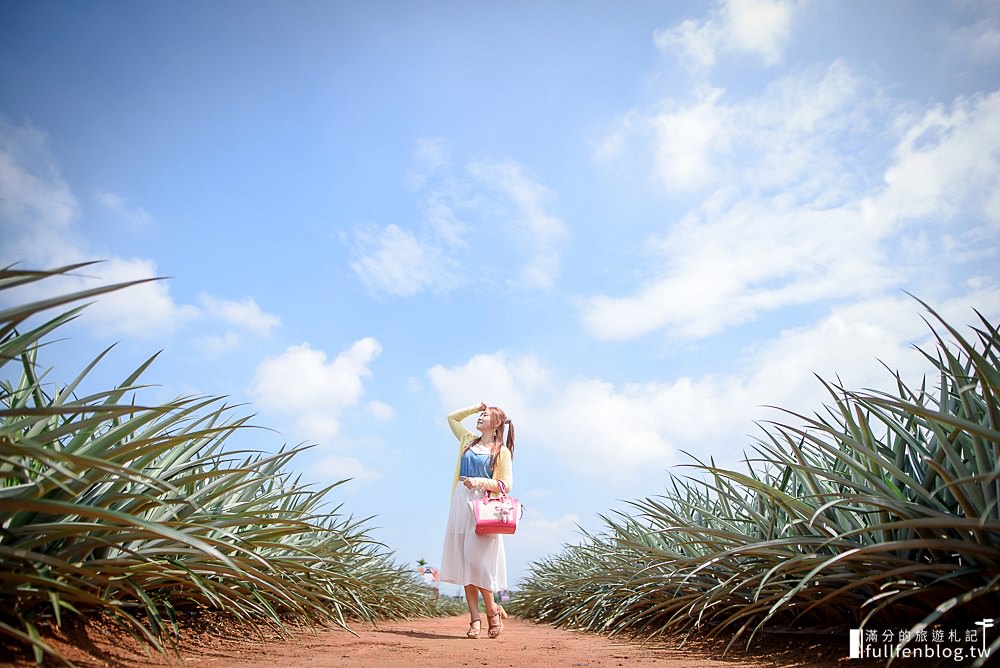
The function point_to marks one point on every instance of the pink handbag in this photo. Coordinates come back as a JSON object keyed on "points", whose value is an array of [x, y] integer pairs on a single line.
{"points": [[496, 514]]}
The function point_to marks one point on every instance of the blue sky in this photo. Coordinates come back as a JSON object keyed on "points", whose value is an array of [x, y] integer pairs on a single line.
{"points": [[632, 225]]}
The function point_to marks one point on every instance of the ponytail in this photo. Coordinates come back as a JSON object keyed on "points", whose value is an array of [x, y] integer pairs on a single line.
{"points": [[510, 438], [498, 444]]}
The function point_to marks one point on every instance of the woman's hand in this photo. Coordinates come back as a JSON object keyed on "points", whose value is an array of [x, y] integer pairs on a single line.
{"points": [[482, 405], [475, 483]]}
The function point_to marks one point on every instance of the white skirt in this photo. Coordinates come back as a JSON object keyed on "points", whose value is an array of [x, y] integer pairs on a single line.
{"points": [[467, 557]]}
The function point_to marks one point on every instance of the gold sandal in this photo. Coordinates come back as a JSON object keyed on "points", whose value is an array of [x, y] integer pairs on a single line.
{"points": [[473, 631], [495, 629]]}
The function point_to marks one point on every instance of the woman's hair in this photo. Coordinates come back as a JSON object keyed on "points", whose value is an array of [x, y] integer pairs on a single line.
{"points": [[497, 421]]}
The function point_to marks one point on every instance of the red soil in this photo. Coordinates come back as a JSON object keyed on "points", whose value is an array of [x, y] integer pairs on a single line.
{"points": [[213, 641]]}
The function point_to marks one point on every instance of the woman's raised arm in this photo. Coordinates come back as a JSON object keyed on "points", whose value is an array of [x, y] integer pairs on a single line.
{"points": [[455, 421]]}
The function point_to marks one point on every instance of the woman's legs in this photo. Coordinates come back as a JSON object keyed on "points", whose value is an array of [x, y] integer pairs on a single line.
{"points": [[493, 616], [487, 599], [472, 599]]}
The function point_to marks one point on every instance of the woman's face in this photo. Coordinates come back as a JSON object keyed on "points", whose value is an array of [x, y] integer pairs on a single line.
{"points": [[484, 422]]}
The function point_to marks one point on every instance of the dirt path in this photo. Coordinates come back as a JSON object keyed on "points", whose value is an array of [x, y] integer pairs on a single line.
{"points": [[419, 642], [441, 642]]}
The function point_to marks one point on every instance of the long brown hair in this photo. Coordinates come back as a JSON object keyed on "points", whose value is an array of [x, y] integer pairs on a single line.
{"points": [[497, 421]]}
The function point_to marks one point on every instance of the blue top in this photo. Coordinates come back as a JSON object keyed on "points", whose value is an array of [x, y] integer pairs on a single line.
{"points": [[475, 465]]}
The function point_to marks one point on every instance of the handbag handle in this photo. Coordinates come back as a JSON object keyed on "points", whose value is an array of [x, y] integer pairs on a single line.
{"points": [[503, 490]]}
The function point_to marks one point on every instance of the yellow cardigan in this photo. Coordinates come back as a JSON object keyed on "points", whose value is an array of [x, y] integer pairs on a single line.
{"points": [[503, 469]]}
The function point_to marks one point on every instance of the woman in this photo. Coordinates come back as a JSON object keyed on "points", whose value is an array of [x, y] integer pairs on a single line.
{"points": [[484, 466]]}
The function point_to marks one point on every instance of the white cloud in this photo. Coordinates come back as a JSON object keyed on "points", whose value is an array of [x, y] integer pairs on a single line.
{"points": [[245, 313], [496, 379], [381, 410], [688, 140], [37, 207], [697, 41], [786, 137], [759, 27], [39, 224], [947, 162], [538, 232], [627, 435], [577, 420], [303, 385], [148, 310], [137, 216], [392, 260], [438, 210], [430, 155], [493, 195], [214, 345], [977, 42], [591, 414], [725, 269], [793, 219], [616, 140], [141, 311], [851, 343]]}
